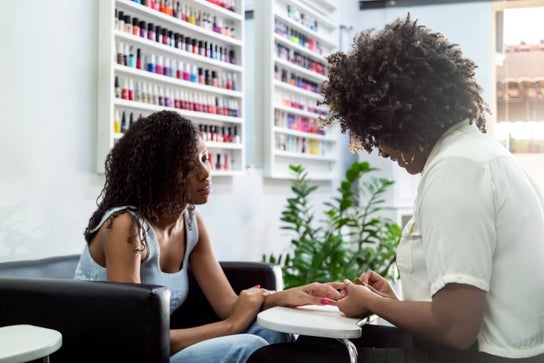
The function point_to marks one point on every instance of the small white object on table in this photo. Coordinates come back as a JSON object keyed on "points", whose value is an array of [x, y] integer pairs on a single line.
{"points": [[23, 343], [315, 320]]}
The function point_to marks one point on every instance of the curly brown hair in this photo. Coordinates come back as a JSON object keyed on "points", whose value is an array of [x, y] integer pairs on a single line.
{"points": [[402, 86], [143, 168]]}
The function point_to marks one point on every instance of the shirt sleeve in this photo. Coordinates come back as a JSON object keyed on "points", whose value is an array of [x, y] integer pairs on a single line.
{"points": [[456, 219]]}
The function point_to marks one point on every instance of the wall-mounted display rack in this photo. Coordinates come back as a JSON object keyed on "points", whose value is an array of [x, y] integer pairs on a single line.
{"points": [[185, 56], [293, 38]]}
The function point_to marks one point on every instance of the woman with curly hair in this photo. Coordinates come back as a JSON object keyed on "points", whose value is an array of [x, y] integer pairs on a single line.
{"points": [[471, 258], [146, 230]]}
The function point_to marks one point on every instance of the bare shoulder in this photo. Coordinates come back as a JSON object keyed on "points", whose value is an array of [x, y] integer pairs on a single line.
{"points": [[118, 233]]}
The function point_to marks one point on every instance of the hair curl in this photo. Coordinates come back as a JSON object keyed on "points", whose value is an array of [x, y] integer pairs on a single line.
{"points": [[143, 168], [402, 86]]}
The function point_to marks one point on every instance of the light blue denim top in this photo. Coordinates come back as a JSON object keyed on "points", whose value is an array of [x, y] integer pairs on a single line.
{"points": [[150, 271]]}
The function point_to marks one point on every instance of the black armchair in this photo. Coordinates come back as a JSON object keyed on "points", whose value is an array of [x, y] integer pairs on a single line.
{"points": [[104, 321]]}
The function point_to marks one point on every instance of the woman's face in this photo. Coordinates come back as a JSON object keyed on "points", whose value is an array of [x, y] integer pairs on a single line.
{"points": [[199, 181], [411, 162]]}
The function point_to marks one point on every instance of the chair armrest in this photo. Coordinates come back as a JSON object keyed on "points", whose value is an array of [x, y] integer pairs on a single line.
{"points": [[99, 321], [242, 275]]}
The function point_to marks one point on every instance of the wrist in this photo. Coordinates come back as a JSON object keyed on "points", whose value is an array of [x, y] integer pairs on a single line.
{"points": [[271, 300]]}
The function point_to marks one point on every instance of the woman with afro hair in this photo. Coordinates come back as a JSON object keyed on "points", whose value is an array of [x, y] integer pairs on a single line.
{"points": [[471, 258], [146, 230]]}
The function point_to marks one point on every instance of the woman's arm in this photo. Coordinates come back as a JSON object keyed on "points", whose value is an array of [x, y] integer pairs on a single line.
{"points": [[311, 294], [236, 312], [209, 274], [452, 318], [117, 247]]}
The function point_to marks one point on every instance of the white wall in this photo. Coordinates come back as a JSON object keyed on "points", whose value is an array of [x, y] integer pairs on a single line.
{"points": [[48, 187]]}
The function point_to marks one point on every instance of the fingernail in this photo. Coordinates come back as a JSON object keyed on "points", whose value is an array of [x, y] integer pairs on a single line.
{"points": [[257, 286], [325, 302]]}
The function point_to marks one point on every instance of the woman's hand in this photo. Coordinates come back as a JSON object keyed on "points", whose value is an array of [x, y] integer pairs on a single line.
{"points": [[311, 294], [377, 284], [354, 304], [248, 304]]}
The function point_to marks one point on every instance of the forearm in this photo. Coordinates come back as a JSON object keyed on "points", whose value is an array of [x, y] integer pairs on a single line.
{"points": [[274, 299], [182, 338], [424, 320]]}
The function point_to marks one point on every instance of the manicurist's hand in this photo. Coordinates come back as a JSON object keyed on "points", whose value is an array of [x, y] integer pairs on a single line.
{"points": [[356, 300], [312, 294], [377, 283], [248, 304]]}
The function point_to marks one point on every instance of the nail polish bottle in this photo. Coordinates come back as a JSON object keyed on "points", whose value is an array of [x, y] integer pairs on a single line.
{"points": [[128, 25], [151, 63], [187, 72], [135, 26], [165, 37], [131, 57], [124, 90], [218, 162], [158, 34], [126, 52], [143, 29], [159, 66], [117, 88], [120, 23], [124, 125], [151, 31], [167, 71], [226, 164], [179, 70], [155, 95], [207, 79], [139, 58], [131, 90], [161, 96], [116, 122], [194, 74], [200, 78]]}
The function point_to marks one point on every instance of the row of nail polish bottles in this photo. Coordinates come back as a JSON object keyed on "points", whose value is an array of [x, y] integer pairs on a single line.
{"points": [[165, 36], [187, 12], [302, 145], [159, 95], [158, 64], [216, 133]]}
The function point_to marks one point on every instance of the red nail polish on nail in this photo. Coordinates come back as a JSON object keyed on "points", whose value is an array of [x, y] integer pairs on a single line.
{"points": [[325, 302], [257, 286]]}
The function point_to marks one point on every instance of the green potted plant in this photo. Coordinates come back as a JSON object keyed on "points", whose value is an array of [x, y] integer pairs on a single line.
{"points": [[349, 239]]}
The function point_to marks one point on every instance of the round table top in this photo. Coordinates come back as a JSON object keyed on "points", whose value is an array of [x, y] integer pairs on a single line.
{"points": [[313, 320], [23, 343]]}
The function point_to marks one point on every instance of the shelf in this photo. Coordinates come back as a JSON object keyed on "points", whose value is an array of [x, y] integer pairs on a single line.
{"points": [[300, 70], [301, 28], [296, 90], [296, 111], [286, 108], [186, 113], [308, 135], [307, 52], [138, 73], [174, 52], [128, 90], [147, 12]]}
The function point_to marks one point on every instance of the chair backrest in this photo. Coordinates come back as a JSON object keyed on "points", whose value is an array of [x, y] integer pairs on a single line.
{"points": [[58, 267]]}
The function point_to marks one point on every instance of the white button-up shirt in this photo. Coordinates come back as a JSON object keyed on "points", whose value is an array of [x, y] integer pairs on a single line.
{"points": [[479, 220]]}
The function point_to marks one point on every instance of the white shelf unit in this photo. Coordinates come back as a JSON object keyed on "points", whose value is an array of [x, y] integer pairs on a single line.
{"points": [[293, 38], [202, 78]]}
